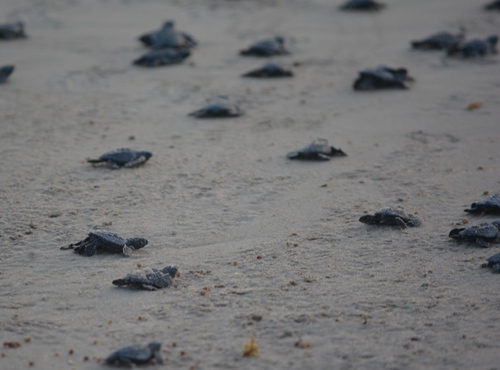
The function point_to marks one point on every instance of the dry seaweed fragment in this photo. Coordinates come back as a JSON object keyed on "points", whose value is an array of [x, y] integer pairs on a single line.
{"points": [[251, 349]]}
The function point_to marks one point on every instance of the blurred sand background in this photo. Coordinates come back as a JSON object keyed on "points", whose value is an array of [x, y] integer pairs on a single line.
{"points": [[218, 194]]}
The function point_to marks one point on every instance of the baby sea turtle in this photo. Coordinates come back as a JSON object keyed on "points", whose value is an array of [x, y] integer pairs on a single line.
{"points": [[270, 70], [475, 47], [490, 205], [391, 217], [122, 157], [362, 5], [494, 5], [149, 278], [9, 31], [267, 48], [98, 241], [219, 108], [493, 262], [136, 354], [438, 41], [383, 78], [480, 234], [318, 150], [167, 37], [5, 72], [162, 57]]}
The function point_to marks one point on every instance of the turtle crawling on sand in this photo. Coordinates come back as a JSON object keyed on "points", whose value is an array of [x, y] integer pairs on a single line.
{"points": [[480, 234], [318, 150], [438, 41], [494, 5], [391, 217], [490, 205], [267, 48], [218, 108], [122, 157], [9, 31], [149, 278], [167, 37], [270, 70], [136, 354], [162, 57], [98, 241], [363, 5], [493, 262], [475, 47], [5, 72], [383, 78]]}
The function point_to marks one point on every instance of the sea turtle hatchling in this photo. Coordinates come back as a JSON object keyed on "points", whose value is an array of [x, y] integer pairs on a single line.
{"points": [[136, 354], [5, 72], [438, 41], [391, 217], [494, 5], [318, 150], [98, 241], [383, 77], [9, 31], [480, 234], [218, 108], [475, 47], [490, 205], [162, 57], [149, 278], [493, 262], [267, 48], [167, 37], [363, 5], [122, 157], [270, 70]]}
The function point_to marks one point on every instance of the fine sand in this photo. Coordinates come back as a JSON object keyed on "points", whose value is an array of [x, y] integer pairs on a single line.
{"points": [[266, 247]]}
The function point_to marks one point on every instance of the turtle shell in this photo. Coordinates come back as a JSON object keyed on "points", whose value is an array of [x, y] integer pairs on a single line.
{"points": [[136, 354], [162, 57], [267, 48], [149, 279], [123, 155], [318, 150], [167, 37], [392, 217], [9, 31], [483, 231], [439, 41], [108, 241], [5, 72], [219, 108]]}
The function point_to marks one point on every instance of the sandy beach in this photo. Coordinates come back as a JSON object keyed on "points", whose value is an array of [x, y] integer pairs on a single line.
{"points": [[266, 247]]}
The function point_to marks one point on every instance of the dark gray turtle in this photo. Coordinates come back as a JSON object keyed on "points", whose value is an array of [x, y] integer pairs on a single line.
{"points": [[9, 31], [267, 48], [5, 72], [490, 205], [493, 262], [391, 217], [363, 5], [123, 157], [149, 278], [438, 41], [270, 70], [494, 5], [219, 108], [475, 47], [167, 37], [318, 150], [98, 241], [162, 57], [136, 354], [383, 78], [480, 234]]}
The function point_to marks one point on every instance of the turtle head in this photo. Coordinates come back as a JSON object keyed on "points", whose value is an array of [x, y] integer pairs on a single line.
{"points": [[168, 24], [367, 219], [154, 346], [171, 270], [455, 233], [147, 154], [136, 243]]}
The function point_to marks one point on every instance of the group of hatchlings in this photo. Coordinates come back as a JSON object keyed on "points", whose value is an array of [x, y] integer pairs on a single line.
{"points": [[169, 46]]}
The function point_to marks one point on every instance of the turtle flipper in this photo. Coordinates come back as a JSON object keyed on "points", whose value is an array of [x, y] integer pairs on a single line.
{"points": [[482, 243], [148, 286], [88, 250], [413, 221], [401, 223], [128, 250], [113, 165], [119, 282], [496, 267], [136, 162]]}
